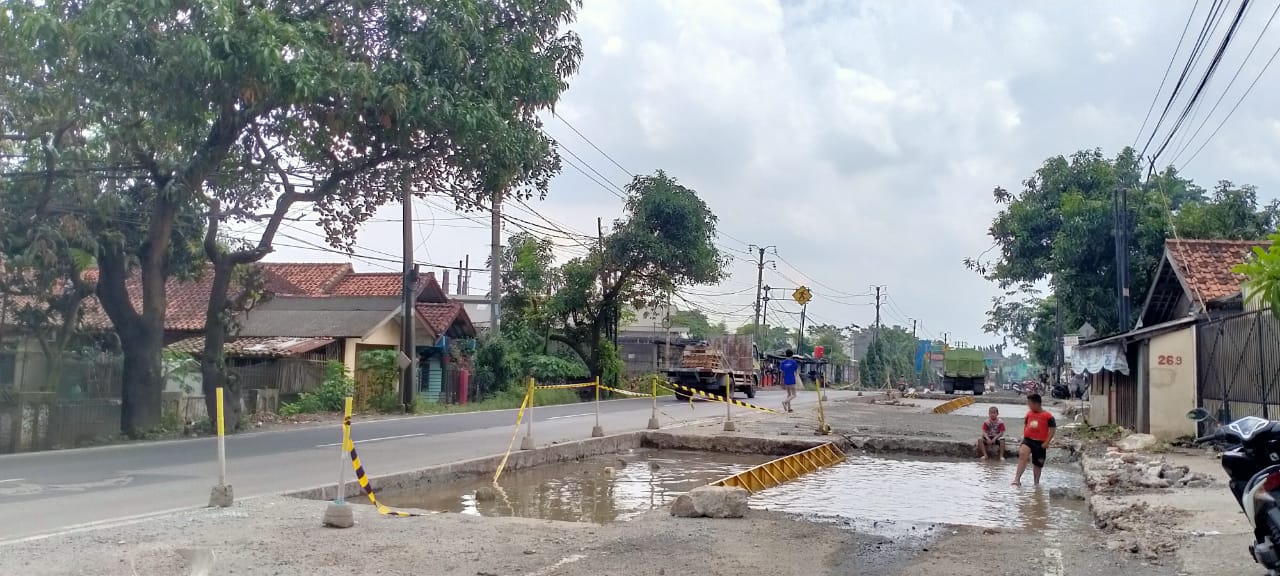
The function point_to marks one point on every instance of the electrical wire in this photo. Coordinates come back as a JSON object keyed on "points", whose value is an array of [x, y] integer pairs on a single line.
{"points": [[1165, 78]]}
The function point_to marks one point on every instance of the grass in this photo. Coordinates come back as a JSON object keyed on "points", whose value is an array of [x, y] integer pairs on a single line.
{"points": [[1104, 434]]}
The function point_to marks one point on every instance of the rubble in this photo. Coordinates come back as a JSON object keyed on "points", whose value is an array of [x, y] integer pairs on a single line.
{"points": [[711, 502], [1138, 528], [1121, 472]]}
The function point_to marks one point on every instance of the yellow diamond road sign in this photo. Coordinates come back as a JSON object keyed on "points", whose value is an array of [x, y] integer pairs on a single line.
{"points": [[802, 295]]}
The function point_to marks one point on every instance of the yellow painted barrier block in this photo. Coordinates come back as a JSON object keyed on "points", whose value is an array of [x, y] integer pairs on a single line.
{"points": [[789, 467], [954, 404]]}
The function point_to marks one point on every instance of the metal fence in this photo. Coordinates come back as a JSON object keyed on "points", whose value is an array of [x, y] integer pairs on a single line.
{"points": [[1238, 358]]}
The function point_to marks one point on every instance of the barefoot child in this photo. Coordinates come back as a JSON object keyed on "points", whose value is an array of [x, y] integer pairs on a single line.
{"points": [[1036, 437], [992, 434]]}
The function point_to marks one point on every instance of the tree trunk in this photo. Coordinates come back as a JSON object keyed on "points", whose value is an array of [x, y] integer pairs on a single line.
{"points": [[213, 361], [143, 381]]}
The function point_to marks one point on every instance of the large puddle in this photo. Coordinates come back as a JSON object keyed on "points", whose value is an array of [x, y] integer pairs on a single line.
{"points": [[877, 493], [871, 494], [599, 490]]}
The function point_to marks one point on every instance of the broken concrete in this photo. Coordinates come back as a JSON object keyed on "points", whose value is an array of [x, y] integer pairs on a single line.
{"points": [[711, 502], [1123, 472], [222, 496], [1137, 442], [338, 515]]}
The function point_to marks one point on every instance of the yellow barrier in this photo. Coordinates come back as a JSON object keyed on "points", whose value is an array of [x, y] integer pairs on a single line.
{"points": [[565, 386], [789, 467], [691, 392], [361, 477], [624, 392], [952, 405]]}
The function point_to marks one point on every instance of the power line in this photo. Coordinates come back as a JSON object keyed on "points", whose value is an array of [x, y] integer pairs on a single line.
{"points": [[1214, 10], [1237, 105], [593, 144], [1165, 78]]}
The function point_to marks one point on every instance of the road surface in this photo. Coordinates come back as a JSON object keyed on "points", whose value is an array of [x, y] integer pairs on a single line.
{"points": [[52, 492]]}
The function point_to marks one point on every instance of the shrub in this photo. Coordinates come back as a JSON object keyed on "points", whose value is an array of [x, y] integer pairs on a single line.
{"points": [[383, 370], [329, 397]]}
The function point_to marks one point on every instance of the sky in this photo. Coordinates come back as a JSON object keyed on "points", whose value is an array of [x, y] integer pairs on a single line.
{"points": [[861, 139]]}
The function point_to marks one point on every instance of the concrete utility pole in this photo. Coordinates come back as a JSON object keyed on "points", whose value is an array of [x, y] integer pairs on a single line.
{"points": [[759, 286], [764, 308], [1057, 312], [408, 318], [877, 324], [1120, 207], [495, 262]]}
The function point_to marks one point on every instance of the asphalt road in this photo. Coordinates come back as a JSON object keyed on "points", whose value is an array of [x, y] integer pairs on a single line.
{"points": [[53, 492]]}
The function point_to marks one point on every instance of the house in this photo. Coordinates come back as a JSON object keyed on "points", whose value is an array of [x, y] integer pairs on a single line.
{"points": [[1195, 344], [647, 343]]}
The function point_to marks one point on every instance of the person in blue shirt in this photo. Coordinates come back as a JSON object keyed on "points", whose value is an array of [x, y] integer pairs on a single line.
{"points": [[789, 368]]}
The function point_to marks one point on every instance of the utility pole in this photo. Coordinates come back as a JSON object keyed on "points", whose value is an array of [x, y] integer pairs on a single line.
{"points": [[495, 262], [877, 324], [759, 286], [1057, 312], [764, 307], [408, 319], [803, 309], [1120, 206], [466, 283]]}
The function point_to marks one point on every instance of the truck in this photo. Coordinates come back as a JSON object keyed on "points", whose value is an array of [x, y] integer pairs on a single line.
{"points": [[964, 369], [722, 365]]}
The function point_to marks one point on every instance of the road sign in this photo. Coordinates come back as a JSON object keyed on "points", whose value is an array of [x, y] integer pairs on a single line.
{"points": [[1070, 341], [802, 295]]}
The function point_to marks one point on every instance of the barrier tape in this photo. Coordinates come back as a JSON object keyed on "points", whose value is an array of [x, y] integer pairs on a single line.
{"points": [[691, 392], [363, 479], [625, 392], [565, 386], [528, 395]]}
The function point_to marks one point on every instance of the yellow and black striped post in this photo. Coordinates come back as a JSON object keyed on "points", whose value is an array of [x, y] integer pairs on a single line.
{"points": [[653, 417], [362, 477], [691, 392]]}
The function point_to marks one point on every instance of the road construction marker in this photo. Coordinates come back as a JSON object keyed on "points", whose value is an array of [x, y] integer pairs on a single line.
{"points": [[786, 468], [564, 386], [624, 392], [528, 396], [691, 392], [952, 405], [363, 479]]}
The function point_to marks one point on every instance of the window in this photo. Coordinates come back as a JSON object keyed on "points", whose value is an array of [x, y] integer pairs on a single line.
{"points": [[8, 368]]}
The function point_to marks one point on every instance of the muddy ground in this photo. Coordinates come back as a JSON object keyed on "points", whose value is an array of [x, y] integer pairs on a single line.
{"points": [[279, 536]]}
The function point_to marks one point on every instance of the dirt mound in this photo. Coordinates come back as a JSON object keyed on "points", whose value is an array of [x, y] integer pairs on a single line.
{"points": [[1119, 472]]}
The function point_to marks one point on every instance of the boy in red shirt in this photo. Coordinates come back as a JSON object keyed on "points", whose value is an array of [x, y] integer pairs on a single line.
{"points": [[1036, 437], [992, 434]]}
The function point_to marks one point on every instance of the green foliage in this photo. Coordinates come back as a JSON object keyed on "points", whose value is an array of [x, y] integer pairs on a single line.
{"points": [[382, 367], [772, 338], [1263, 272], [699, 326], [890, 357], [497, 364], [1059, 229], [142, 121], [553, 369], [611, 365], [329, 397]]}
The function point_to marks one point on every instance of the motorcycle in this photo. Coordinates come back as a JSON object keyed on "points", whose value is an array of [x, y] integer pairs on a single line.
{"points": [[1251, 457], [1061, 391]]}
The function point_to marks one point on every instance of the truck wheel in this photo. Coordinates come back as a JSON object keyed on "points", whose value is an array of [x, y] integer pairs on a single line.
{"points": [[979, 388], [682, 397], [750, 391], [948, 386]]}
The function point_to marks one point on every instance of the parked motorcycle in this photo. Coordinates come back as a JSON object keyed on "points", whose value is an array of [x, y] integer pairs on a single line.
{"points": [[1061, 391], [1252, 450]]}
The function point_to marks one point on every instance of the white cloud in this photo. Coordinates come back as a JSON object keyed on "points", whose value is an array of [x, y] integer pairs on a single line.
{"points": [[864, 138]]}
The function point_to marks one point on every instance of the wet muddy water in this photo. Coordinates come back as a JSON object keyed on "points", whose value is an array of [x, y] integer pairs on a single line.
{"points": [[875, 492], [872, 494], [599, 490]]}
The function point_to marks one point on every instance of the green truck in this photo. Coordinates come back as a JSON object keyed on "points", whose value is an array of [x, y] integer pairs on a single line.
{"points": [[964, 369]]}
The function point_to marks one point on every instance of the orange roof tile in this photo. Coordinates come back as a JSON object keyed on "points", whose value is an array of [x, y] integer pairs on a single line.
{"points": [[1205, 265], [439, 317]]}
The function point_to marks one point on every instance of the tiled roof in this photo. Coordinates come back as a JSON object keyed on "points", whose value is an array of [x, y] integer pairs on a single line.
{"points": [[273, 347], [439, 317], [383, 284], [1205, 265]]}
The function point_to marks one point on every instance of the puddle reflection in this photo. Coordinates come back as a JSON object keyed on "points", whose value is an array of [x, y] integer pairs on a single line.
{"points": [[881, 491], [599, 490]]}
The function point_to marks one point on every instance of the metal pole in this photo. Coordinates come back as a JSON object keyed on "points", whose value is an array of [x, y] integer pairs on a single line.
{"points": [[759, 284], [803, 309], [342, 450], [598, 430], [222, 442], [408, 294], [527, 443], [653, 416]]}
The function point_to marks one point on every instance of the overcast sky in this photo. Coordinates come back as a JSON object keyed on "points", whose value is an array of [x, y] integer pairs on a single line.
{"points": [[863, 139]]}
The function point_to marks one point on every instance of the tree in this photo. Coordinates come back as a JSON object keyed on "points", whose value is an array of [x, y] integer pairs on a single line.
{"points": [[699, 326], [890, 356], [665, 240], [1059, 229], [239, 112], [772, 338]]}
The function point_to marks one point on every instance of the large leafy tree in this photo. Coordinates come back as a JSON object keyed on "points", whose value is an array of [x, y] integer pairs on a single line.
{"points": [[1059, 230], [243, 111], [772, 338], [665, 240]]}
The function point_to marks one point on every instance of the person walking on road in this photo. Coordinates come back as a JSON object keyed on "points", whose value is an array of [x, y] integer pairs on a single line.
{"points": [[789, 368], [1037, 434]]}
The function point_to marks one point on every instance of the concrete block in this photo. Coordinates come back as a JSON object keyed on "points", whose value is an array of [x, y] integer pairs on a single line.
{"points": [[711, 502], [653, 423], [597, 431], [730, 426], [338, 515], [222, 496], [526, 443]]}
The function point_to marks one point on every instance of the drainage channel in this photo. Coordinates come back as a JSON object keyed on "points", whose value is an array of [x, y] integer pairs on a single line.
{"points": [[600, 489]]}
